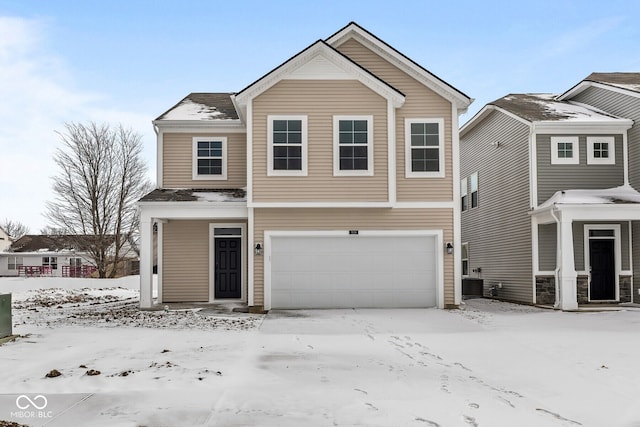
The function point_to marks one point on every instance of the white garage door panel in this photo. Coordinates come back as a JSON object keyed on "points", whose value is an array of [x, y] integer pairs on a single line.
{"points": [[353, 271]]}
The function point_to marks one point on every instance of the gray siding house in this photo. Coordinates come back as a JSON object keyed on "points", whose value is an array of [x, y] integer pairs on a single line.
{"points": [[550, 212]]}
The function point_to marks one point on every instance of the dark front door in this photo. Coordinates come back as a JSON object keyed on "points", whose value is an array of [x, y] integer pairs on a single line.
{"points": [[227, 268], [603, 271]]}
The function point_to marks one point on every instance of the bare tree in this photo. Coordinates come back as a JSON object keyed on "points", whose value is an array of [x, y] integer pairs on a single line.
{"points": [[100, 179], [15, 229]]}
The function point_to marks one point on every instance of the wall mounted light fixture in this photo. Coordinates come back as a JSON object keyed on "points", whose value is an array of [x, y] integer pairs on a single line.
{"points": [[258, 249], [449, 248]]}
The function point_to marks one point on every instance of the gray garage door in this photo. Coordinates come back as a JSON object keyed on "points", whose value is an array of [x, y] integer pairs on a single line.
{"points": [[353, 271]]}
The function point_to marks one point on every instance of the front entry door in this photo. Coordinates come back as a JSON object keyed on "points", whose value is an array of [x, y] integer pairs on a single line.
{"points": [[228, 283], [603, 270]]}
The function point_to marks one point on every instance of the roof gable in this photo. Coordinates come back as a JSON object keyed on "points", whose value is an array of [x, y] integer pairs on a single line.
{"points": [[626, 83], [312, 63], [546, 112], [399, 60]]}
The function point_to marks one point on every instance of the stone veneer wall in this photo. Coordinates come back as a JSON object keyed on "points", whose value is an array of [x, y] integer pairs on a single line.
{"points": [[545, 290], [583, 289], [625, 288]]}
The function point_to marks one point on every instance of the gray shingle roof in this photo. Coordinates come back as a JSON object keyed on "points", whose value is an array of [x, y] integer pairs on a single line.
{"points": [[194, 195], [203, 106], [545, 107], [629, 81]]}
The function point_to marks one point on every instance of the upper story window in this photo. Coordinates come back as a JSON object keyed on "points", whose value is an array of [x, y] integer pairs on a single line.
{"points": [[473, 184], [287, 150], [564, 150], [601, 150], [352, 145], [424, 148], [209, 158], [463, 194]]}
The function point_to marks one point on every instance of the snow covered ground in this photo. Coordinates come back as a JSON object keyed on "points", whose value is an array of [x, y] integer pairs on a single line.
{"points": [[487, 364]]}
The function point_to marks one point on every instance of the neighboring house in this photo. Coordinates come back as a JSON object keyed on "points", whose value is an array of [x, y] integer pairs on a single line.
{"points": [[548, 193], [59, 256], [5, 240], [332, 181], [45, 255]]}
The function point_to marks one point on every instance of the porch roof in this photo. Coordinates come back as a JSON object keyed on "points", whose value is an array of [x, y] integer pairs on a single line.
{"points": [[618, 195], [609, 204], [196, 195]]}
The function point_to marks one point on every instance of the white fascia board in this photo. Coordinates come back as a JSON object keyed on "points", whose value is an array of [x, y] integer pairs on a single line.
{"points": [[564, 127], [193, 210], [402, 62], [198, 126], [321, 48], [486, 110], [582, 86], [444, 204]]}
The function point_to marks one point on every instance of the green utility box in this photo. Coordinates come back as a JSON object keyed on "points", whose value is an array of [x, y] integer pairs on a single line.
{"points": [[5, 315]]}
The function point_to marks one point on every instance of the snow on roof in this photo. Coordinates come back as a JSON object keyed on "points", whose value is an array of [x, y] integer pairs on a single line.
{"points": [[544, 107], [203, 107], [196, 195], [618, 195], [628, 81]]}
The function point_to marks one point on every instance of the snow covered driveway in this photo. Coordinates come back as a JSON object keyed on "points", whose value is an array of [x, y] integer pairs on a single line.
{"points": [[488, 364]]}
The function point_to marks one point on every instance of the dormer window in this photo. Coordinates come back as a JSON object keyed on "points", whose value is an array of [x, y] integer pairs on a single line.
{"points": [[564, 150], [601, 150]]}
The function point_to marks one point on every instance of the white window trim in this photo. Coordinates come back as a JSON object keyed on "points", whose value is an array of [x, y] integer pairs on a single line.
{"points": [[270, 170], [407, 150], [336, 147], [477, 191], [194, 160], [464, 193], [591, 160], [464, 245], [555, 160]]}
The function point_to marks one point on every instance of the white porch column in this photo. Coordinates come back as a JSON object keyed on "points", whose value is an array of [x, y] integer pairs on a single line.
{"points": [[567, 276], [146, 262]]}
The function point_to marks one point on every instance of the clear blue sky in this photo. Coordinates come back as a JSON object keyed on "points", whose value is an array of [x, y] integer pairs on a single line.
{"points": [[128, 61]]}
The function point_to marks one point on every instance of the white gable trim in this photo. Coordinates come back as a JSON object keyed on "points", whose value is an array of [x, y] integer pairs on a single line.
{"points": [[308, 63], [584, 85], [353, 31]]}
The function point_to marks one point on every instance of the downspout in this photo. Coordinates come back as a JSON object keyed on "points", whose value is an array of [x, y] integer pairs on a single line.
{"points": [[558, 256]]}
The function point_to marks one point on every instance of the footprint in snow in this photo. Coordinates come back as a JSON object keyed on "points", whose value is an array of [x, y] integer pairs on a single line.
{"points": [[470, 420]]}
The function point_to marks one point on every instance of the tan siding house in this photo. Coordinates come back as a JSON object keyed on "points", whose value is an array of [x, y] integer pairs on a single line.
{"points": [[330, 182]]}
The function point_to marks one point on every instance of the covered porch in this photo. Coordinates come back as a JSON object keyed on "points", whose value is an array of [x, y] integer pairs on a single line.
{"points": [[593, 247], [202, 239]]}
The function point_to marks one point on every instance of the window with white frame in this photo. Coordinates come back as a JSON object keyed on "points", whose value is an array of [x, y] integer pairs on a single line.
{"points": [[50, 261], [209, 158], [464, 255], [564, 150], [353, 145], [601, 150], [287, 150], [463, 194], [473, 184], [424, 148], [15, 262]]}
